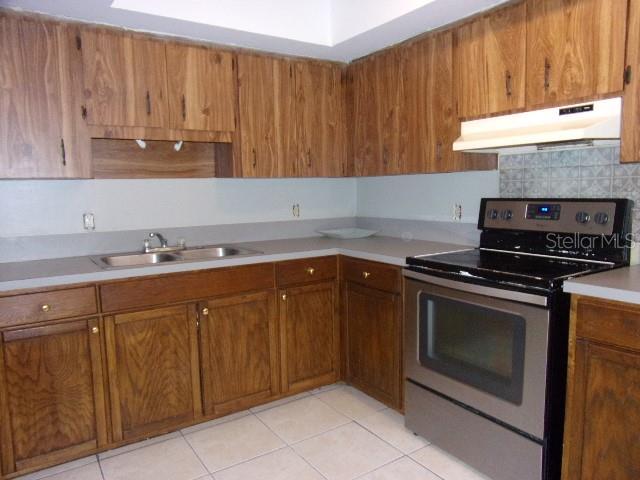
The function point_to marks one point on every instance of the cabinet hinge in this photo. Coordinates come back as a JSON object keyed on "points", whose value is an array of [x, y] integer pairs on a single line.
{"points": [[627, 75], [78, 42], [83, 111]]}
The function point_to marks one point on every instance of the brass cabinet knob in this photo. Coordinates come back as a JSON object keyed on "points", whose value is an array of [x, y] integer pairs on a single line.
{"points": [[205, 311], [45, 308], [284, 296], [95, 330], [366, 275], [311, 270]]}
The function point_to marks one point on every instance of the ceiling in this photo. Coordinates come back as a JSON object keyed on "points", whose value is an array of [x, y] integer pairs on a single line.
{"points": [[339, 30]]}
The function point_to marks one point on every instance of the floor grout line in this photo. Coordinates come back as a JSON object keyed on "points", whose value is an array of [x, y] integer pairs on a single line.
{"points": [[196, 454]]}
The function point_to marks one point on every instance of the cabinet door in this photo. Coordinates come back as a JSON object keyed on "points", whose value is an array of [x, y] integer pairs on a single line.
{"points": [[432, 125], [153, 370], [630, 139], [38, 131], [575, 49], [601, 440], [267, 117], [202, 88], [309, 336], [320, 119], [373, 342], [490, 62], [239, 351], [378, 94], [53, 394], [125, 79]]}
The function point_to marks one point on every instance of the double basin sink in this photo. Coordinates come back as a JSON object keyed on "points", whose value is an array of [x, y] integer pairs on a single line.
{"points": [[184, 255]]}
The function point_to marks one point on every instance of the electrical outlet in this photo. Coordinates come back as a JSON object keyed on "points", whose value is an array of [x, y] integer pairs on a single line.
{"points": [[89, 221], [457, 212], [296, 210]]}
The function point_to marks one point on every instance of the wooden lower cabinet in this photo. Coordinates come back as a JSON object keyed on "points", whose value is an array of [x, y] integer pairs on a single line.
{"points": [[51, 394], [154, 376], [602, 439], [238, 351], [372, 320], [309, 336]]}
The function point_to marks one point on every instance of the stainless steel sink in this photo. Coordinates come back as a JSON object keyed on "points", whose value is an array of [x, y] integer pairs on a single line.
{"points": [[186, 255]]}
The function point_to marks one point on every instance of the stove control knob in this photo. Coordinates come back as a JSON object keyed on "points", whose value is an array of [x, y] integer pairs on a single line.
{"points": [[506, 215], [583, 217], [601, 218], [492, 214]]}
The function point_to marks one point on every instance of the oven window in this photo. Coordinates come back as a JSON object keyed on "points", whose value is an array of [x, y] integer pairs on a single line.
{"points": [[475, 344]]}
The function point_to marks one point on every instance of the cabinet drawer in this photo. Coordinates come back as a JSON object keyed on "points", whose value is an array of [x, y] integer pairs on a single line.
{"points": [[609, 322], [39, 307], [372, 274], [184, 287], [306, 270]]}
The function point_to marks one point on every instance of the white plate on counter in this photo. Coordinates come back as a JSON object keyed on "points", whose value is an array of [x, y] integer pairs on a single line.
{"points": [[347, 233]]}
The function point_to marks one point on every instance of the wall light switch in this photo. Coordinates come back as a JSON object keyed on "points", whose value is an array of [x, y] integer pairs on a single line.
{"points": [[89, 221]]}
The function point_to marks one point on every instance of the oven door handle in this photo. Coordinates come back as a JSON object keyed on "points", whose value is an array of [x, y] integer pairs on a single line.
{"points": [[479, 289]]}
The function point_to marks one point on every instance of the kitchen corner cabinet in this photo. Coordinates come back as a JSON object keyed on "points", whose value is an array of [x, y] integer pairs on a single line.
{"points": [[378, 97], [42, 134], [490, 53], [52, 399], [238, 351], [575, 49], [154, 379], [603, 396], [630, 137], [309, 326], [372, 321]]}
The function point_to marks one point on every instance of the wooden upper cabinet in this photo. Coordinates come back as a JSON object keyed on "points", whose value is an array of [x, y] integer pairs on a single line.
{"points": [[320, 119], [42, 134], [267, 116], [125, 79], [630, 139], [52, 383], [154, 378], [575, 49], [238, 351], [202, 88], [377, 84], [490, 61], [431, 122]]}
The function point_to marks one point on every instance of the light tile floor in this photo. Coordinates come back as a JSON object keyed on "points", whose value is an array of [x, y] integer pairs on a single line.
{"points": [[332, 433]]}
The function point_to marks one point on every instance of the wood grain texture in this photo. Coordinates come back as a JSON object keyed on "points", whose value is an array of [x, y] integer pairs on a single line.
{"points": [[184, 287], [30, 105], [609, 322], [151, 358], [575, 49], [239, 351], [306, 270], [125, 79], [320, 119], [28, 308], [149, 133], [125, 159], [373, 342], [371, 274], [630, 136], [54, 392], [266, 97], [202, 91], [309, 336]]}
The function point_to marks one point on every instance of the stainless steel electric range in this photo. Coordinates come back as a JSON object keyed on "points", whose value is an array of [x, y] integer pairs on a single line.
{"points": [[486, 331]]}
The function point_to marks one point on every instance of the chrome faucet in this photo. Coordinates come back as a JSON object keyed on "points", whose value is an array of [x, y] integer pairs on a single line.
{"points": [[164, 244], [159, 236]]}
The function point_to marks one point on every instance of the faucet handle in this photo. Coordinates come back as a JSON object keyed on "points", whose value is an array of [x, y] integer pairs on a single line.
{"points": [[147, 244]]}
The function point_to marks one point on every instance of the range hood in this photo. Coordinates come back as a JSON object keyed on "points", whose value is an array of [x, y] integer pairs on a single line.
{"points": [[572, 126]]}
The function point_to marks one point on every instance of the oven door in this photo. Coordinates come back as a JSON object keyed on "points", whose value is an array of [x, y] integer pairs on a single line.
{"points": [[483, 347]]}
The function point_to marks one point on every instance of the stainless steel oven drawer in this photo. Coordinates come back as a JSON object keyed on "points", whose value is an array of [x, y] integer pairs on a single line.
{"points": [[486, 446]]}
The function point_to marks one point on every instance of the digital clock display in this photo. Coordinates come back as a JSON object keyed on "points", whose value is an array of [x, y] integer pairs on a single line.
{"points": [[543, 211]]}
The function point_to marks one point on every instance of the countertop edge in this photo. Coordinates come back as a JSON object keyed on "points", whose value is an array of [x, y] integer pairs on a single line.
{"points": [[605, 293]]}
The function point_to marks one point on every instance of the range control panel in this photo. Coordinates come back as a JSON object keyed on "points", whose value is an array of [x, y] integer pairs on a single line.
{"points": [[592, 217]]}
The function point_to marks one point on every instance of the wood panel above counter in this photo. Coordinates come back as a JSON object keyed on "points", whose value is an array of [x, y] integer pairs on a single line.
{"points": [[394, 112]]}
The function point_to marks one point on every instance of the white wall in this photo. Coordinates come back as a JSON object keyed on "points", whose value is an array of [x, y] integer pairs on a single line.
{"points": [[56, 206], [426, 197]]}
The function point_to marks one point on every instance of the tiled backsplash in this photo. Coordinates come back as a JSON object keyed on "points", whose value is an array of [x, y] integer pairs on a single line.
{"points": [[590, 172]]}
